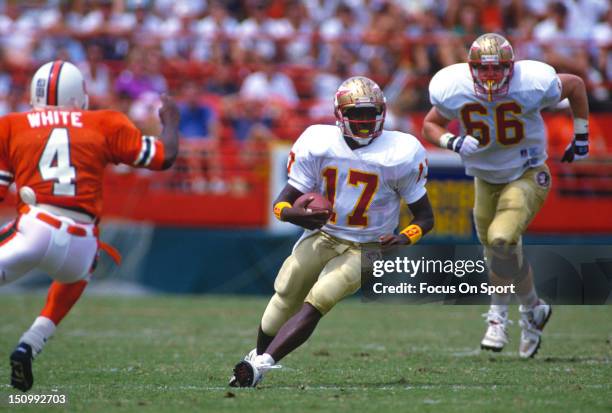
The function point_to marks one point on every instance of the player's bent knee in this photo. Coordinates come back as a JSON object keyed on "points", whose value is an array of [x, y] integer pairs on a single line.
{"points": [[500, 242], [323, 299], [325, 296], [278, 311], [503, 246], [505, 258]]}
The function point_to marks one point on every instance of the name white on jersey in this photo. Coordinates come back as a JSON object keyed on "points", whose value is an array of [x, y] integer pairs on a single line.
{"points": [[37, 119], [365, 185], [510, 129]]}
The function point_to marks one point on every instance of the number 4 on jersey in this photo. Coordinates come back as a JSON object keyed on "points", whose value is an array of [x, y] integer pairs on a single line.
{"points": [[54, 164]]}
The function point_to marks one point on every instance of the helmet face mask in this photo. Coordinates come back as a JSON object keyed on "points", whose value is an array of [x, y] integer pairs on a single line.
{"points": [[360, 109], [491, 61], [361, 120], [58, 84]]}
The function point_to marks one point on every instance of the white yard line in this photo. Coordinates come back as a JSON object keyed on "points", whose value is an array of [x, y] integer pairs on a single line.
{"points": [[165, 388]]}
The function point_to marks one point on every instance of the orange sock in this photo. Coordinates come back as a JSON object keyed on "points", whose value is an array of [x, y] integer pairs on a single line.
{"points": [[61, 298]]}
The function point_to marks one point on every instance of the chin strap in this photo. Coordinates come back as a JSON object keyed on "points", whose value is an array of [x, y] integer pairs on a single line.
{"points": [[347, 129]]}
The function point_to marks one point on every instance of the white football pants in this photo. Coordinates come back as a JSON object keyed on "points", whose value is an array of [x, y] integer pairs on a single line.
{"points": [[35, 244]]}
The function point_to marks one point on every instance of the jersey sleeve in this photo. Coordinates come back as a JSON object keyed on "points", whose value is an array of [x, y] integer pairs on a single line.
{"points": [[437, 88], [301, 166], [541, 82], [412, 177], [552, 93], [129, 146], [6, 172]]}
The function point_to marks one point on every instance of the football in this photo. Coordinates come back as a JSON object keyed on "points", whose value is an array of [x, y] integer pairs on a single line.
{"points": [[319, 203]]}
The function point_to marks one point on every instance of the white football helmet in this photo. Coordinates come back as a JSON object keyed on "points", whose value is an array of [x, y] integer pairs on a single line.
{"points": [[60, 84]]}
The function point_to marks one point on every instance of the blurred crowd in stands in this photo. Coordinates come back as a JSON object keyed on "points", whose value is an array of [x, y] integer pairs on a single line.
{"points": [[251, 71]]}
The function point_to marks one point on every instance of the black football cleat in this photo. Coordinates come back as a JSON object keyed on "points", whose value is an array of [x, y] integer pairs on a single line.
{"points": [[21, 367]]}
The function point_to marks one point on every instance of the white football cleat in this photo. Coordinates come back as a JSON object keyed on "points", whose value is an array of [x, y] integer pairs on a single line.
{"points": [[246, 374], [533, 320], [496, 336], [249, 357], [249, 372]]}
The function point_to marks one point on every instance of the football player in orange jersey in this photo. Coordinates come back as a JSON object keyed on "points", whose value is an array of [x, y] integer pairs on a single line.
{"points": [[56, 154]]}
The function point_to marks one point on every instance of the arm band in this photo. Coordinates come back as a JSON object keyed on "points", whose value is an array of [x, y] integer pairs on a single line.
{"points": [[278, 208], [413, 232], [581, 126]]}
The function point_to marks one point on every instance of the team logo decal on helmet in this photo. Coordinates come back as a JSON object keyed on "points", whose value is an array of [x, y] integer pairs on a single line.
{"points": [[360, 108], [491, 61]]}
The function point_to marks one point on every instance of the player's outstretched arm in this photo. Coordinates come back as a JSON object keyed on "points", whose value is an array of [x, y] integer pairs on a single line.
{"points": [[435, 131], [422, 223], [169, 117], [287, 210], [573, 88]]}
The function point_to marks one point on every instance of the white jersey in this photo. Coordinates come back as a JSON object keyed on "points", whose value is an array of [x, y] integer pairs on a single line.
{"points": [[365, 185], [510, 129]]}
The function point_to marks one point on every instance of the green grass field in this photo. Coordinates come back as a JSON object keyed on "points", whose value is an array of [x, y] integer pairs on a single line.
{"points": [[176, 353]]}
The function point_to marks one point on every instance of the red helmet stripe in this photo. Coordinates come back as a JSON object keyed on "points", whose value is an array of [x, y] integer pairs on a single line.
{"points": [[52, 89]]}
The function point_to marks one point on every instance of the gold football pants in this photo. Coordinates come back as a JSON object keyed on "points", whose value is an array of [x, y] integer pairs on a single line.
{"points": [[502, 212], [321, 271]]}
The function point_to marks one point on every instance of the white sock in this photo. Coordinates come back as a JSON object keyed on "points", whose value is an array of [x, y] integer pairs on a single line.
{"points": [[530, 299], [264, 359], [41, 330]]}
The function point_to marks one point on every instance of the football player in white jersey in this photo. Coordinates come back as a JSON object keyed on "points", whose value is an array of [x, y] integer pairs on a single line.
{"points": [[503, 146], [365, 172]]}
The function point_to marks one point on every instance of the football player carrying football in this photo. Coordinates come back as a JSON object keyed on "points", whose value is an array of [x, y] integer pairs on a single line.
{"points": [[503, 146], [56, 154], [365, 172]]}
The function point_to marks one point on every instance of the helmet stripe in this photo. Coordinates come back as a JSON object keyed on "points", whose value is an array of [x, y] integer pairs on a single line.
{"points": [[52, 89]]}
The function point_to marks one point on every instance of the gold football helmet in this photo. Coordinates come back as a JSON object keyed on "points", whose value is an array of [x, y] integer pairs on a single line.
{"points": [[491, 61], [360, 108]]}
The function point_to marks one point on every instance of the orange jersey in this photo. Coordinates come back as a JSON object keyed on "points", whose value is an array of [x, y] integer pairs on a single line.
{"points": [[62, 154]]}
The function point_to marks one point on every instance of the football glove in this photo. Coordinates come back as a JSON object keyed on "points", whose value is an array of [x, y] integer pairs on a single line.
{"points": [[464, 145], [577, 149]]}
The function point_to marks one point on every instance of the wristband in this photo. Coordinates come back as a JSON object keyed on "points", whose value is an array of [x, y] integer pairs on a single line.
{"points": [[444, 139], [581, 126], [278, 208], [413, 233]]}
